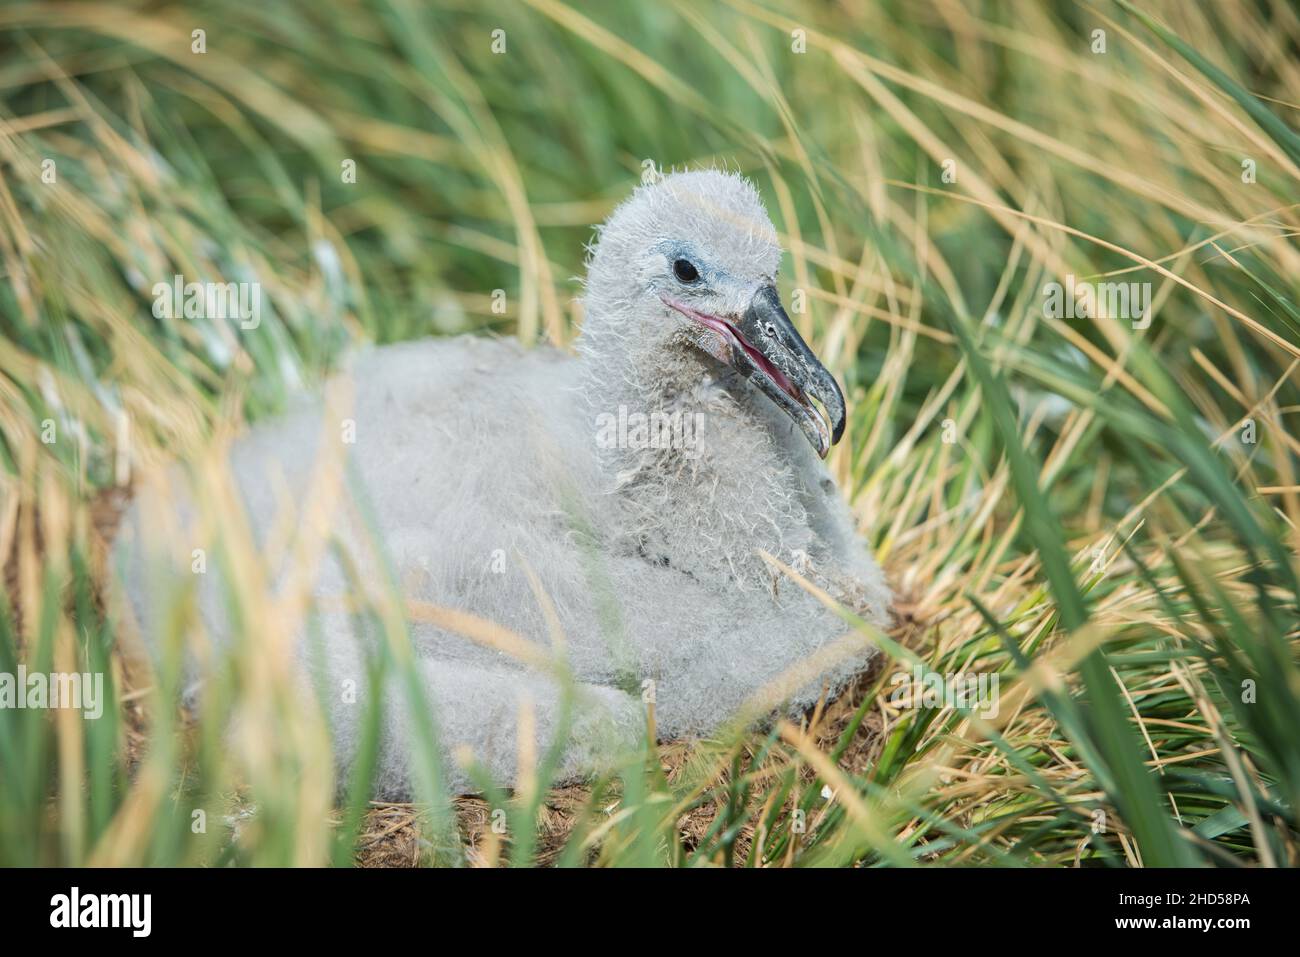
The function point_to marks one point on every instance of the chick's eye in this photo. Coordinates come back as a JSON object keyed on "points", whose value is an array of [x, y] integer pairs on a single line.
{"points": [[684, 271]]}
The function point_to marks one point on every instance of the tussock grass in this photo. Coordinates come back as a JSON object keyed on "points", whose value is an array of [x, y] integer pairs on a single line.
{"points": [[1104, 517]]}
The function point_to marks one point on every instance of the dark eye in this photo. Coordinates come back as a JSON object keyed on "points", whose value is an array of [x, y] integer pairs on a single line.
{"points": [[684, 271]]}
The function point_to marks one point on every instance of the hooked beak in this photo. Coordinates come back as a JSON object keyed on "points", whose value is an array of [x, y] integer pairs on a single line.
{"points": [[765, 347]]}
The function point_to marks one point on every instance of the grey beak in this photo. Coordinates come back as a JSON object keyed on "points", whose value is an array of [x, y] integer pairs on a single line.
{"points": [[785, 356]]}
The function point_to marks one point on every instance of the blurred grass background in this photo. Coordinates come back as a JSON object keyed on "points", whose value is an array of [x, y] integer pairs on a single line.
{"points": [[1103, 516]]}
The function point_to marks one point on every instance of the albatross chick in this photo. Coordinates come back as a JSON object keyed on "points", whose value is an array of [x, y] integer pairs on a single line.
{"points": [[617, 509]]}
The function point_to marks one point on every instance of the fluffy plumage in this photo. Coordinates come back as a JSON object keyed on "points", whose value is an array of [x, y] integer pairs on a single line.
{"points": [[485, 464]]}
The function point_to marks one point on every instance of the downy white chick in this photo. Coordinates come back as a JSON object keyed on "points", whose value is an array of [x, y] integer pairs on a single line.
{"points": [[634, 487]]}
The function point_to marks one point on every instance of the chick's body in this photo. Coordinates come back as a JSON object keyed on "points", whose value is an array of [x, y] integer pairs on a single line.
{"points": [[626, 495]]}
